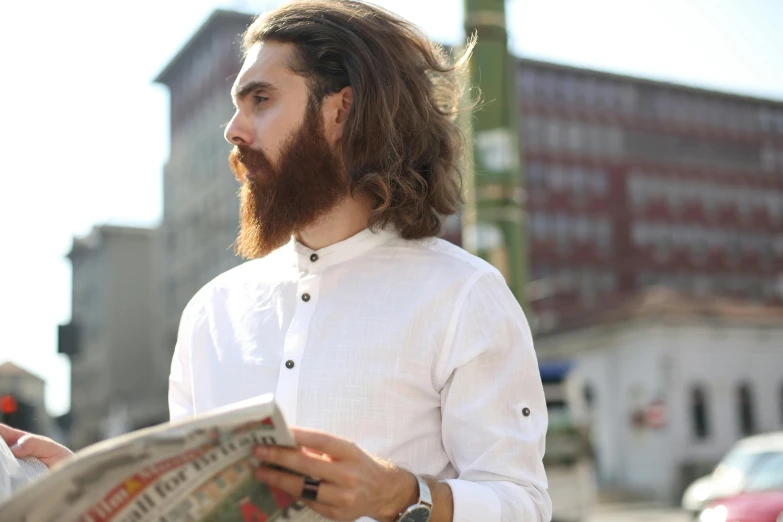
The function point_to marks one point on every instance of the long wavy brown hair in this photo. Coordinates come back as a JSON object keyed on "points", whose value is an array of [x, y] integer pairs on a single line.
{"points": [[401, 143]]}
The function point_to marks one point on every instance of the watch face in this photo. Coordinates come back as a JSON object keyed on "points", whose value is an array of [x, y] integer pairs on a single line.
{"points": [[419, 514]]}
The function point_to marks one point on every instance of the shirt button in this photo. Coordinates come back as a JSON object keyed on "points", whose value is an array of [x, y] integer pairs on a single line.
{"points": [[305, 297], [526, 412], [314, 258], [289, 364]]}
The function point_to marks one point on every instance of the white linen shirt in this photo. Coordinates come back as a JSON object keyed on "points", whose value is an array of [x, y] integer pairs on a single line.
{"points": [[414, 349]]}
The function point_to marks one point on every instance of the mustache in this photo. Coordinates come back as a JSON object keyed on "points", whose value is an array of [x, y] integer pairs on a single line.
{"points": [[244, 160]]}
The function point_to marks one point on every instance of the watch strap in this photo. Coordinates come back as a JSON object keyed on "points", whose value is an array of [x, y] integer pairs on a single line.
{"points": [[425, 499], [425, 496]]}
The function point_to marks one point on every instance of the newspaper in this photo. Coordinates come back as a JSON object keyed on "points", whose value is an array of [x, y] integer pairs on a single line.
{"points": [[198, 469]]}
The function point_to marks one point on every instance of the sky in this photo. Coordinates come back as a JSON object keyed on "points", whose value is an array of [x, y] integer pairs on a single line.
{"points": [[85, 137]]}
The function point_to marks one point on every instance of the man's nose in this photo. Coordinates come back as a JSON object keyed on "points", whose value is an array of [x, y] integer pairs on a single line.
{"points": [[238, 132]]}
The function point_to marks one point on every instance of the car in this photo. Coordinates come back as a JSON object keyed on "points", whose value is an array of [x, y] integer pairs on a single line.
{"points": [[729, 476], [761, 499]]}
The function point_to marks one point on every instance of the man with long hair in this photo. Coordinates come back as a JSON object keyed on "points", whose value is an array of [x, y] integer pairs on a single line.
{"points": [[405, 362]]}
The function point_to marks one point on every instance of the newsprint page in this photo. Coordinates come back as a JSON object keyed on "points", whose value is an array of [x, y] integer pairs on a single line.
{"points": [[196, 470]]}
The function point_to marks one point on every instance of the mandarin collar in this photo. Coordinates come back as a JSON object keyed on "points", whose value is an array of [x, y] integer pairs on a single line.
{"points": [[345, 250]]}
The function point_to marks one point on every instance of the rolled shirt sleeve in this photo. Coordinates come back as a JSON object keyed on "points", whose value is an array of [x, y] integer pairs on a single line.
{"points": [[493, 408]]}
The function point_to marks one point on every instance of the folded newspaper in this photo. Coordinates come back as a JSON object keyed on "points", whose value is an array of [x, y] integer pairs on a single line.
{"points": [[195, 470]]}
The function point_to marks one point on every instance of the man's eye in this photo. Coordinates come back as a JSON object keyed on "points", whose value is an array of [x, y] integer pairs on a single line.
{"points": [[260, 99]]}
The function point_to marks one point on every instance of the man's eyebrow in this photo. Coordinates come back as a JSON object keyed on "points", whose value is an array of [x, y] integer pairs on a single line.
{"points": [[241, 93]]}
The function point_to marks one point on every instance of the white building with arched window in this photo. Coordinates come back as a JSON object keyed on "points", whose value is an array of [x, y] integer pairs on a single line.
{"points": [[672, 381]]}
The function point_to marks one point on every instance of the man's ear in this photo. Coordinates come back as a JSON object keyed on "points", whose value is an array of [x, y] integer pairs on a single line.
{"points": [[337, 107], [346, 100]]}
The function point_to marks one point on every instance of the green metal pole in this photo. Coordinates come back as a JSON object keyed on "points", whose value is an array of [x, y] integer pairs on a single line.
{"points": [[497, 233]]}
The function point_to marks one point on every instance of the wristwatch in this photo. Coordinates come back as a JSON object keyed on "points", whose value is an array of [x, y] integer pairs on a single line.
{"points": [[422, 510]]}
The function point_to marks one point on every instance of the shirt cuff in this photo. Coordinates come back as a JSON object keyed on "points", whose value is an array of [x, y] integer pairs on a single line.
{"points": [[474, 501]]}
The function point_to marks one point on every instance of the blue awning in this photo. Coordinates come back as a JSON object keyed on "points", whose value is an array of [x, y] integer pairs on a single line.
{"points": [[554, 371]]}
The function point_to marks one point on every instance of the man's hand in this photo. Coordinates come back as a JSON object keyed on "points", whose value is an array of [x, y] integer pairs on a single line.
{"points": [[23, 444], [353, 483]]}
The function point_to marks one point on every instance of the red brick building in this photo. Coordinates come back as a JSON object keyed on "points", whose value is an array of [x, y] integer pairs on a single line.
{"points": [[633, 183]]}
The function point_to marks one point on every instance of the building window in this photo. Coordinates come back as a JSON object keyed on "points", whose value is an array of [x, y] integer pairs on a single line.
{"points": [[590, 90], [608, 282], [553, 134], [557, 178], [562, 236], [598, 181], [529, 83], [765, 119], [781, 404], [768, 161], [532, 132], [628, 94], [614, 143], [570, 88], [578, 181], [582, 229], [745, 410], [536, 178], [699, 420], [575, 137], [588, 286], [589, 397], [538, 226], [603, 229]]}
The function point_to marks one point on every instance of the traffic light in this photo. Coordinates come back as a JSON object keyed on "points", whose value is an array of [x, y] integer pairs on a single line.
{"points": [[8, 405], [17, 413]]}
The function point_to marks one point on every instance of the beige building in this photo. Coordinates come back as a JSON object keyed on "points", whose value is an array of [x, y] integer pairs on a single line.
{"points": [[118, 381], [26, 388], [666, 383], [21, 383]]}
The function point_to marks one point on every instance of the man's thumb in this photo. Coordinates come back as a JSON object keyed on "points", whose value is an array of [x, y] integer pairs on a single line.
{"points": [[25, 446]]}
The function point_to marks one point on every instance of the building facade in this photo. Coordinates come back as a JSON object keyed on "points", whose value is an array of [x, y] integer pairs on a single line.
{"points": [[633, 183], [200, 203], [117, 381], [22, 395], [667, 383]]}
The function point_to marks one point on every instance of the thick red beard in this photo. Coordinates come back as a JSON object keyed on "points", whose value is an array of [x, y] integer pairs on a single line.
{"points": [[278, 201]]}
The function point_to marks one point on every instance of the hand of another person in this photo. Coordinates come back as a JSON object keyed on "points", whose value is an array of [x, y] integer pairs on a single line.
{"points": [[350, 482], [23, 444]]}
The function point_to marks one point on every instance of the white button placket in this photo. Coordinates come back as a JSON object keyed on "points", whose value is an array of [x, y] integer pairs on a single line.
{"points": [[295, 342]]}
